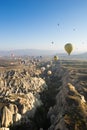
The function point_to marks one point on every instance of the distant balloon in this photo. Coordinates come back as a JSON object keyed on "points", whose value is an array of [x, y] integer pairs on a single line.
{"points": [[68, 48], [58, 24], [74, 29], [52, 42], [40, 56], [48, 66], [49, 72], [56, 58], [43, 69]]}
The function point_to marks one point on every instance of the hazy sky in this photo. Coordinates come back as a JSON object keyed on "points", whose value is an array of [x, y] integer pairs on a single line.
{"points": [[34, 24]]}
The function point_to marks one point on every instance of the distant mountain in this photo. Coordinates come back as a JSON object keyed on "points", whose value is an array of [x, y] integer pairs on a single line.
{"points": [[30, 52], [81, 56], [37, 52]]}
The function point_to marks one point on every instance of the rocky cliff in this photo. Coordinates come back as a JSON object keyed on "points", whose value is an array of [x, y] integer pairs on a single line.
{"points": [[70, 110], [32, 98], [19, 95]]}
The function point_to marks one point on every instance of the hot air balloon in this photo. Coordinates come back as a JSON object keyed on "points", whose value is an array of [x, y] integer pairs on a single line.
{"points": [[52, 42], [68, 48], [74, 29], [49, 72], [58, 24], [43, 69], [56, 58], [48, 66]]}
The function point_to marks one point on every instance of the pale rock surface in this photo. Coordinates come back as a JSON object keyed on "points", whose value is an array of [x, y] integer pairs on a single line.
{"points": [[16, 117], [4, 128], [6, 118], [67, 98]]}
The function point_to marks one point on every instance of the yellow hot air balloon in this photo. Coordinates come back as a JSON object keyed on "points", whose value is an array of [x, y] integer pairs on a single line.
{"points": [[56, 58], [68, 48]]}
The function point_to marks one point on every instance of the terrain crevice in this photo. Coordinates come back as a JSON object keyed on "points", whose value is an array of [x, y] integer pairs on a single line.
{"points": [[44, 96], [48, 98]]}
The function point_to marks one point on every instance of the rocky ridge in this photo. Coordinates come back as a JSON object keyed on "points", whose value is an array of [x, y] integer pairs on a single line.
{"points": [[32, 98], [70, 110], [19, 96]]}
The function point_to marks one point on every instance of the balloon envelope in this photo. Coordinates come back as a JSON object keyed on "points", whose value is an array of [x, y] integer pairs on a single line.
{"points": [[56, 58], [48, 65], [68, 48], [43, 69], [49, 72]]}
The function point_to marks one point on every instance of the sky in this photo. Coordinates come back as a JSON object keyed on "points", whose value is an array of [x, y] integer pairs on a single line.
{"points": [[43, 24]]}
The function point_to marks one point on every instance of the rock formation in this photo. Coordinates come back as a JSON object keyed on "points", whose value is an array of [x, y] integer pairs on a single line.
{"points": [[19, 95], [33, 99]]}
